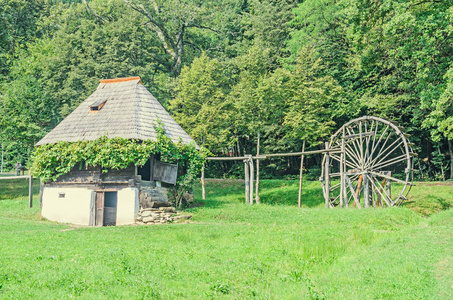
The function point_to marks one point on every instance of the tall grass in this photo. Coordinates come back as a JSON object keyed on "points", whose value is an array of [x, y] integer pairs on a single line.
{"points": [[231, 251]]}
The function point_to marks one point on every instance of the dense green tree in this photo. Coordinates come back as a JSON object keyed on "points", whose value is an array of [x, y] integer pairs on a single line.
{"points": [[200, 105]]}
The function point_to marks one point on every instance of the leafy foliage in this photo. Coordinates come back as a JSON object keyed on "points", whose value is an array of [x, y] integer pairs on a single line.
{"points": [[53, 160], [288, 69]]}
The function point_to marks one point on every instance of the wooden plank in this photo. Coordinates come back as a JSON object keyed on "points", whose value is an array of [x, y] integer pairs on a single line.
{"points": [[165, 172], [99, 215]]}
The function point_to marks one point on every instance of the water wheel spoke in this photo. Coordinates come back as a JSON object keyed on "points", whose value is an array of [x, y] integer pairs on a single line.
{"points": [[337, 158], [383, 194], [390, 150], [334, 187], [384, 144], [353, 192], [391, 178], [374, 138], [374, 153], [379, 140], [368, 138], [390, 162], [355, 144], [353, 157]]}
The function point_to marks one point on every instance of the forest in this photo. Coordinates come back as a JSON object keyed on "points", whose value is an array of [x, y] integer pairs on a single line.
{"points": [[229, 71]]}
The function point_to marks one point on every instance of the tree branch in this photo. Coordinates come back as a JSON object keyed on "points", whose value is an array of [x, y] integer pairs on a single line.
{"points": [[159, 29], [93, 12], [204, 27], [423, 2]]}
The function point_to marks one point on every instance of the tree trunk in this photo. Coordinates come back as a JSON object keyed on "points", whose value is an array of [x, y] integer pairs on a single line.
{"points": [[450, 149], [257, 196]]}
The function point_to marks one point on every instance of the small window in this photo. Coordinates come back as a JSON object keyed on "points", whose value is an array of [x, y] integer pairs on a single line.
{"points": [[61, 195], [97, 106]]}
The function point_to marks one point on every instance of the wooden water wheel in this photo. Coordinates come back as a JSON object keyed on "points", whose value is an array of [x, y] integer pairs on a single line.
{"points": [[374, 166]]}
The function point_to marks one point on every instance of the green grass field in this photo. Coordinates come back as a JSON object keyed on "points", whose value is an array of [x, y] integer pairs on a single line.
{"points": [[233, 251]]}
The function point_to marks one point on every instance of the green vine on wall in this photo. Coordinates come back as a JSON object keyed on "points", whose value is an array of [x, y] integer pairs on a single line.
{"points": [[54, 160]]}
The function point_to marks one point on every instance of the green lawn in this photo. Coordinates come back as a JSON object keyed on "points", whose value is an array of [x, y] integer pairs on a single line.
{"points": [[233, 251]]}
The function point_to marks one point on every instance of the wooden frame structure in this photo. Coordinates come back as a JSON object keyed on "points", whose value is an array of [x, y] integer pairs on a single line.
{"points": [[250, 174], [374, 153], [360, 162]]}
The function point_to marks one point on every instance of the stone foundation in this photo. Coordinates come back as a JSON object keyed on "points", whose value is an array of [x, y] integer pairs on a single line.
{"points": [[159, 215], [152, 196]]}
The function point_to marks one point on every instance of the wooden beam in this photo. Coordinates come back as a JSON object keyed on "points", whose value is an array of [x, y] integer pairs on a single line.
{"points": [[14, 177], [227, 158], [264, 156]]}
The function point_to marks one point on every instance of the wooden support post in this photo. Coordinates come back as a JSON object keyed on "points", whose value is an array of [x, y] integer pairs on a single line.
{"points": [[41, 191], [299, 199], [257, 195], [327, 176], [30, 191], [388, 185], [252, 177], [247, 180], [366, 191], [342, 181], [203, 192], [358, 194]]}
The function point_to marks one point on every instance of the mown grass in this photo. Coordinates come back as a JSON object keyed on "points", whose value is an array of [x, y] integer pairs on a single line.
{"points": [[233, 251]]}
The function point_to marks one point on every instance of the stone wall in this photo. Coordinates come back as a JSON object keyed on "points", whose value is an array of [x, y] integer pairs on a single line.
{"points": [[159, 215]]}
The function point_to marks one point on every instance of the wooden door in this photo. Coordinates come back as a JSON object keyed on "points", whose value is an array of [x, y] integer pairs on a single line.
{"points": [[99, 216]]}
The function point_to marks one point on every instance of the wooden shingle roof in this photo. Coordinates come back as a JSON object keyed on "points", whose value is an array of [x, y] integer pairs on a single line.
{"points": [[120, 107]]}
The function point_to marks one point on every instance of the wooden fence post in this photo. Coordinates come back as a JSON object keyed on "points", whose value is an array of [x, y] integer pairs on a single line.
{"points": [[247, 180], [252, 176], [30, 191], [41, 191], [257, 196], [203, 192], [299, 199], [327, 177], [342, 170]]}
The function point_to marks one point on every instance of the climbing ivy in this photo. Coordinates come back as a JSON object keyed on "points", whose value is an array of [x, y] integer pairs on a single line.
{"points": [[54, 160]]}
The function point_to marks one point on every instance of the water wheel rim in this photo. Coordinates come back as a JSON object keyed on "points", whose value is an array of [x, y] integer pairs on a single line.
{"points": [[370, 164]]}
